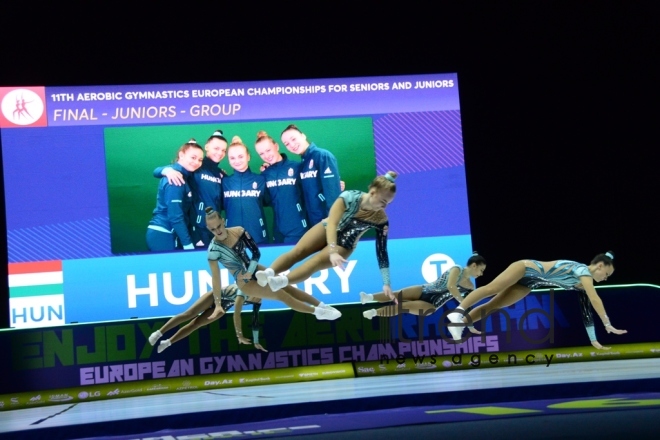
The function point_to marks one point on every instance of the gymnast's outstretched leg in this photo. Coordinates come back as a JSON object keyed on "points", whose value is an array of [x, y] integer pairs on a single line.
{"points": [[509, 296], [499, 285], [313, 241], [406, 294], [509, 277], [321, 312], [204, 302]]}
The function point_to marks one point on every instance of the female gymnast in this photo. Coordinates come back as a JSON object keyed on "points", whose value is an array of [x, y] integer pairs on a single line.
{"points": [[244, 193], [202, 308], [320, 173], [169, 221], [283, 185], [206, 184], [332, 241], [427, 298], [228, 247], [521, 277]]}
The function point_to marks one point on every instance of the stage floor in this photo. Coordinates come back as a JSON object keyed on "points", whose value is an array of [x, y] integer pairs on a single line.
{"points": [[487, 399]]}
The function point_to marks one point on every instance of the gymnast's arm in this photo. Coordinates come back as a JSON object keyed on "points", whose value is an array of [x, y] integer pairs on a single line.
{"points": [[254, 251], [255, 326], [384, 259], [588, 285], [217, 289], [452, 283], [238, 325]]}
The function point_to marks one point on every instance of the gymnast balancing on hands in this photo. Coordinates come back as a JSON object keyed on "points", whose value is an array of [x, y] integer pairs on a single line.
{"points": [[425, 299], [332, 241], [521, 277], [229, 248], [198, 313]]}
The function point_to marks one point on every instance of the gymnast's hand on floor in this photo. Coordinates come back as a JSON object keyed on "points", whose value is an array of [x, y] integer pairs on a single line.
{"points": [[260, 347], [598, 346], [611, 329]]}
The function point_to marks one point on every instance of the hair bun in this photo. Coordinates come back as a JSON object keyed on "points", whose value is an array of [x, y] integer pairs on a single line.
{"points": [[474, 253], [391, 176], [208, 210], [236, 139], [610, 254], [218, 133]]}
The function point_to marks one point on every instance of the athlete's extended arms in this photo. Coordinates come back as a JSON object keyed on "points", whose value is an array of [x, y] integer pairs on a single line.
{"points": [[588, 320], [336, 212], [255, 326], [588, 285], [254, 251], [238, 325], [452, 283], [384, 259], [217, 289]]}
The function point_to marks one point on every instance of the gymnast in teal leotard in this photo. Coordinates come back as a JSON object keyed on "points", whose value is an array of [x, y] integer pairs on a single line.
{"points": [[425, 299], [229, 247], [521, 277], [201, 309]]}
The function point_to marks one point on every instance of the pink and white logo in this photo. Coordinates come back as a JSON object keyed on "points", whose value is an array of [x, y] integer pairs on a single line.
{"points": [[20, 107]]}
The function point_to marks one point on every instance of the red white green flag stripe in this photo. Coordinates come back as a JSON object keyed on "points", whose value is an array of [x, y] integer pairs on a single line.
{"points": [[35, 279]]}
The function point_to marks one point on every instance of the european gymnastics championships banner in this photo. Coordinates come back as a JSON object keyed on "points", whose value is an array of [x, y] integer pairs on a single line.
{"points": [[94, 205], [118, 353]]}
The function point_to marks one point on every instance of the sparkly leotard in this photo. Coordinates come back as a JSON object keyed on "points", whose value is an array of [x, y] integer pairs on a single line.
{"points": [[438, 294], [235, 259], [228, 299], [565, 274], [354, 223]]}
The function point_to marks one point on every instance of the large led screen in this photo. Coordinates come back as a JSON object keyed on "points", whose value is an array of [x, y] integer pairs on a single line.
{"points": [[82, 169]]}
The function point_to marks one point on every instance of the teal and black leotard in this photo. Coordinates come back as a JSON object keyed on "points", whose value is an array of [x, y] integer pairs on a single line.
{"points": [[229, 299], [437, 292], [351, 227], [236, 259], [566, 275]]}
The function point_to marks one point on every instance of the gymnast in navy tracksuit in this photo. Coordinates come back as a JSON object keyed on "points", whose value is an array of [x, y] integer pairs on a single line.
{"points": [[206, 185], [319, 174], [244, 194], [169, 222], [284, 190]]}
